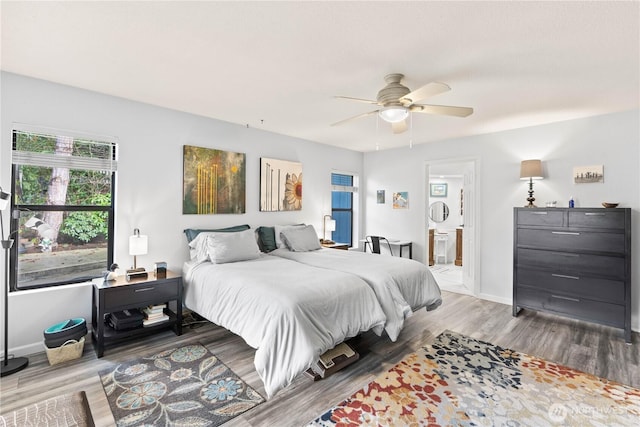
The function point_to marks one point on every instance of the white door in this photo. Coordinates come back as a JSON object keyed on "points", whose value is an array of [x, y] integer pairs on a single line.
{"points": [[469, 230]]}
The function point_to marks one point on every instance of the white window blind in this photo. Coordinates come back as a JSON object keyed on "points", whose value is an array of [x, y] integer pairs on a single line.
{"points": [[95, 155]]}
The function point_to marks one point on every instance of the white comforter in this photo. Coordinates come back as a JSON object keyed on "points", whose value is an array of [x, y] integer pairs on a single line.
{"points": [[402, 285], [290, 312]]}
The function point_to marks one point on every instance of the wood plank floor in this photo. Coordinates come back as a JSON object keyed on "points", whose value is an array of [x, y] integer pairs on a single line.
{"points": [[591, 348]]}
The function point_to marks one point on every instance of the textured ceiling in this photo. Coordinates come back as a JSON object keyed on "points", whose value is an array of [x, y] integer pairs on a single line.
{"points": [[277, 65]]}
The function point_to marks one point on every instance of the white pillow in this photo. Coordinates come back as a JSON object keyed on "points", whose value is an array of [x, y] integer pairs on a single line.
{"points": [[301, 239], [232, 247], [279, 228], [198, 247]]}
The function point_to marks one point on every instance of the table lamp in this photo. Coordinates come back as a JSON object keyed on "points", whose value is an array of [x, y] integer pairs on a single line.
{"points": [[531, 169], [138, 245], [328, 225]]}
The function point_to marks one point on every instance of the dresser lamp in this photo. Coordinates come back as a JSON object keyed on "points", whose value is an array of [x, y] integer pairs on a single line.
{"points": [[531, 169], [15, 364]]}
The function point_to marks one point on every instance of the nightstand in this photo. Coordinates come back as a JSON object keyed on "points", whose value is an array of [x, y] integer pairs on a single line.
{"points": [[120, 294], [343, 246]]}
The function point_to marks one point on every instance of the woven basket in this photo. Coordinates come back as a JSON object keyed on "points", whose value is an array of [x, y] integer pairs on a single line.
{"points": [[70, 350]]}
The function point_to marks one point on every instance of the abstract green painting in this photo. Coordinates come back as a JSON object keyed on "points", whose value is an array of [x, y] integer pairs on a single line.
{"points": [[214, 181]]}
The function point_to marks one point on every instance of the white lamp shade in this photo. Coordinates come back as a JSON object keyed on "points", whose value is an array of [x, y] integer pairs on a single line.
{"points": [[5, 198], [138, 244], [393, 114], [331, 225]]}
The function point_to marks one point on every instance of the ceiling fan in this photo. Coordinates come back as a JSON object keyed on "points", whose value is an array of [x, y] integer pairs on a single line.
{"points": [[397, 101]]}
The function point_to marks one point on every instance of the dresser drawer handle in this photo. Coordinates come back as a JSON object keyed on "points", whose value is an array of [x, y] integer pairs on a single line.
{"points": [[567, 255], [595, 213], [564, 276], [539, 213], [144, 289], [568, 233], [565, 298]]}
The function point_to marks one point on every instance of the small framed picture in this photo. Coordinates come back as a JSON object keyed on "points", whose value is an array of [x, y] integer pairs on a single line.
{"points": [[401, 200], [380, 196], [438, 190], [588, 174]]}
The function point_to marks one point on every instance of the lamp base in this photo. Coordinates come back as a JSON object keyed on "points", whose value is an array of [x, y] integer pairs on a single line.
{"points": [[13, 365]]}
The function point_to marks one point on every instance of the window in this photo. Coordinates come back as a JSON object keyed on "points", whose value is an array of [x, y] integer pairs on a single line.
{"points": [[62, 218], [342, 192]]}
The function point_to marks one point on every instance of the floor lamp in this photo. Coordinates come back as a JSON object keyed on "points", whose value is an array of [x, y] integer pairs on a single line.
{"points": [[13, 365]]}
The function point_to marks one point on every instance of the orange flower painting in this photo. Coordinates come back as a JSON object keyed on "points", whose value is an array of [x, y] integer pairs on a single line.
{"points": [[280, 185]]}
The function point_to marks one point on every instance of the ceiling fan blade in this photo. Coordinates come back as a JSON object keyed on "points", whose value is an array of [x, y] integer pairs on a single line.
{"points": [[355, 117], [399, 127], [430, 89], [446, 110], [366, 101]]}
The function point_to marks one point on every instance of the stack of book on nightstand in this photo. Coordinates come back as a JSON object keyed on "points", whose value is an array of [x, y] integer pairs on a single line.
{"points": [[154, 314]]}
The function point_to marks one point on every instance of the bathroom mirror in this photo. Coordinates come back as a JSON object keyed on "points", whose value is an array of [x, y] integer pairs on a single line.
{"points": [[438, 211]]}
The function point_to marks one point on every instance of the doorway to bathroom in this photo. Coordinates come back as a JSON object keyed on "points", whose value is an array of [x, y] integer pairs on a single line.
{"points": [[450, 223]]}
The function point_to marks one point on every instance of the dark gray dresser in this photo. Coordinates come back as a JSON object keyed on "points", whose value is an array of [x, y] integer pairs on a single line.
{"points": [[574, 262]]}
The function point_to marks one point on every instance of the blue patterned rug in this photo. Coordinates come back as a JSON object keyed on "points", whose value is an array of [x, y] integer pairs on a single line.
{"points": [[186, 386]]}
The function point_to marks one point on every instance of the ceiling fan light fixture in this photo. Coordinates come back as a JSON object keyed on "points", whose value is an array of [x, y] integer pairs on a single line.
{"points": [[394, 114]]}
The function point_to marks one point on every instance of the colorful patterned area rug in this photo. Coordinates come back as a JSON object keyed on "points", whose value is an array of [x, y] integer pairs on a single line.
{"points": [[459, 381], [185, 386]]}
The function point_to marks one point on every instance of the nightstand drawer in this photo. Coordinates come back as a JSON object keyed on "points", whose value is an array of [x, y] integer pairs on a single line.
{"points": [[141, 294], [572, 240]]}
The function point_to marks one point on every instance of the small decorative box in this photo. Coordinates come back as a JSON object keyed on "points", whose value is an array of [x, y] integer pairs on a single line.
{"points": [[160, 269]]}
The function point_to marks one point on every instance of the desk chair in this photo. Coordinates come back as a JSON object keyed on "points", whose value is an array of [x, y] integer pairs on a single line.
{"points": [[374, 241]]}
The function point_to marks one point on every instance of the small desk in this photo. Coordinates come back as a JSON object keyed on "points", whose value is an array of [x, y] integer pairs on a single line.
{"points": [[403, 244], [400, 243]]}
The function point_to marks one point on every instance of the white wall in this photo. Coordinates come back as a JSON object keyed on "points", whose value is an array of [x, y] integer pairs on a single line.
{"points": [[611, 140], [149, 186]]}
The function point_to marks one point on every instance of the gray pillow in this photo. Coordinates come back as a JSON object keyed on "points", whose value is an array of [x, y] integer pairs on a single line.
{"points": [[232, 247], [278, 229], [301, 239]]}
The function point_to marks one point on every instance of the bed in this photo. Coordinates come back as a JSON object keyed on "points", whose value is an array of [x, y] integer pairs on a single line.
{"points": [[288, 311], [401, 285]]}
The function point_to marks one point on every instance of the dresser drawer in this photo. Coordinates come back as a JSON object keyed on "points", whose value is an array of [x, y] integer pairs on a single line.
{"points": [[575, 285], [142, 294], [611, 267], [572, 240], [580, 308], [600, 218], [538, 217]]}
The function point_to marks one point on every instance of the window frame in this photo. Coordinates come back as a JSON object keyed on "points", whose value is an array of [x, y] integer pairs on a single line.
{"points": [[345, 189], [16, 208]]}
